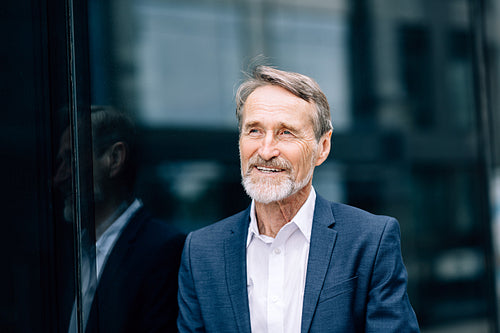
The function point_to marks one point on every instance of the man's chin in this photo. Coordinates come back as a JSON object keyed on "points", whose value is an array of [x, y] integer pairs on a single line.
{"points": [[266, 192], [68, 215], [68, 210], [271, 189]]}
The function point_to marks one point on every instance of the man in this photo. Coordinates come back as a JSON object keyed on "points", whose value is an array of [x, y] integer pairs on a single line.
{"points": [[292, 261], [130, 284]]}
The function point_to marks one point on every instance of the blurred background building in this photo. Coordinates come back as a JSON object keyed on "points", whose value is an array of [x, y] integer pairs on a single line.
{"points": [[414, 91]]}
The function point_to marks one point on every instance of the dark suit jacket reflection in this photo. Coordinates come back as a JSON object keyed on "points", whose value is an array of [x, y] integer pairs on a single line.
{"points": [[138, 287], [356, 280]]}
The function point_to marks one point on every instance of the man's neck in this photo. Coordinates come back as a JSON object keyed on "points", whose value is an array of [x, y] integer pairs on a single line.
{"points": [[106, 214], [273, 216]]}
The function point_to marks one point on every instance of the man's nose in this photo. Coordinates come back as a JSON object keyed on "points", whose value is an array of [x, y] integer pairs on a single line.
{"points": [[268, 148]]}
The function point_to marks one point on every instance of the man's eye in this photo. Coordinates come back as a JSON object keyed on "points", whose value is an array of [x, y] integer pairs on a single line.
{"points": [[253, 130], [286, 132]]}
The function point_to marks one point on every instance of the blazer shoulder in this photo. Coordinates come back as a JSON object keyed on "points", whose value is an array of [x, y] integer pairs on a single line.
{"points": [[349, 216], [236, 223], [153, 233]]}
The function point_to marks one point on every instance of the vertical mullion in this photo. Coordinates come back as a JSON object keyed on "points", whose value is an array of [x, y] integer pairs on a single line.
{"points": [[79, 115], [485, 152], [75, 159]]}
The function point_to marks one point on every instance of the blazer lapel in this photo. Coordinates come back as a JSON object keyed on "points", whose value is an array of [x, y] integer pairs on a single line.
{"points": [[123, 245], [320, 252], [236, 275]]}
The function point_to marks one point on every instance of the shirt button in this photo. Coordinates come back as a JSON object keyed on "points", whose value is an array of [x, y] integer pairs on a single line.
{"points": [[277, 251], [275, 299]]}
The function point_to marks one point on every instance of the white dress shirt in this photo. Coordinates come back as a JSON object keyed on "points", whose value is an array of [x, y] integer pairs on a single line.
{"points": [[106, 242], [90, 276], [276, 272]]}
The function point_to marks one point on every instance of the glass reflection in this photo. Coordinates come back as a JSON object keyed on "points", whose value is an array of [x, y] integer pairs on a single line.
{"points": [[128, 277]]}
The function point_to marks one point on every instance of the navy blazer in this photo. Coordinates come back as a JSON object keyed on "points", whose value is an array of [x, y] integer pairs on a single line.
{"points": [[138, 286], [355, 282]]}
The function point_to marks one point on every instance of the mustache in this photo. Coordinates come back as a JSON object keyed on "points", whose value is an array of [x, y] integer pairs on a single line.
{"points": [[275, 163]]}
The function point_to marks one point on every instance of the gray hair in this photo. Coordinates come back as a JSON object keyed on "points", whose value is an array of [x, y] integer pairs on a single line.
{"points": [[300, 85], [110, 126]]}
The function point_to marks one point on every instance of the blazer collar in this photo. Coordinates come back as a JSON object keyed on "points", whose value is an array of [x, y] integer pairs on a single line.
{"points": [[320, 252], [123, 245], [236, 270]]}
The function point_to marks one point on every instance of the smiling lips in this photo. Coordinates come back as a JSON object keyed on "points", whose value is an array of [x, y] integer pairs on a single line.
{"points": [[268, 170], [268, 167]]}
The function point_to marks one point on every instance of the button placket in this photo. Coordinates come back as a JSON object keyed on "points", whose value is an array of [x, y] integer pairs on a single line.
{"points": [[275, 288]]}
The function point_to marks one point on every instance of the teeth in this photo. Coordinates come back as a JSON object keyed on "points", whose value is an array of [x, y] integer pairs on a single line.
{"points": [[268, 169]]}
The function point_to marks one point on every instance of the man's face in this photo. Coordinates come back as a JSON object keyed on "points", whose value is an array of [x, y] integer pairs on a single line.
{"points": [[63, 177], [278, 149]]}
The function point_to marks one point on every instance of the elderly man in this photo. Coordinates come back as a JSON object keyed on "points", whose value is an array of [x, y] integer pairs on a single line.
{"points": [[132, 287], [292, 261]]}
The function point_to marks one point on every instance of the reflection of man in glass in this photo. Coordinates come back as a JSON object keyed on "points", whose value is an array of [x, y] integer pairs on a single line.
{"points": [[292, 261], [137, 257]]}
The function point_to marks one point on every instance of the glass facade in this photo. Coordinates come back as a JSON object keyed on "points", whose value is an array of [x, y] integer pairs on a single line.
{"points": [[413, 103]]}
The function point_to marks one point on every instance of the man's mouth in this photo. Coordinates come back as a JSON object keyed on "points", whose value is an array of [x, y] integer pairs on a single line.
{"points": [[268, 169]]}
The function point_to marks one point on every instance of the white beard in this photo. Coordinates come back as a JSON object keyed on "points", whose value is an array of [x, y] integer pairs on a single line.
{"points": [[68, 209], [266, 190], [68, 202]]}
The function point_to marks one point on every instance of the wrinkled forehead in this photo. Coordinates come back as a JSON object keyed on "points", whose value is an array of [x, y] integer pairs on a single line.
{"points": [[273, 101]]}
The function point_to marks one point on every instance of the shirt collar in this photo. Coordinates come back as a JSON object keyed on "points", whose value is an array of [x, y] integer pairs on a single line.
{"points": [[253, 229], [107, 238], [303, 219]]}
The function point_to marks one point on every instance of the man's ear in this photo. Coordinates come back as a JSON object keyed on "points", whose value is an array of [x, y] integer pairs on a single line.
{"points": [[117, 156], [324, 147]]}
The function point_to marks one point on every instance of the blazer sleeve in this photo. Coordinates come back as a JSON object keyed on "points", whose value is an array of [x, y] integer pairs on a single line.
{"points": [[189, 319], [388, 306]]}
